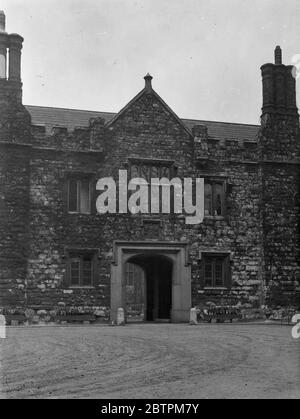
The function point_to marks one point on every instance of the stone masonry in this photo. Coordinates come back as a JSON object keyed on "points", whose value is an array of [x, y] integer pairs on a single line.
{"points": [[258, 228]]}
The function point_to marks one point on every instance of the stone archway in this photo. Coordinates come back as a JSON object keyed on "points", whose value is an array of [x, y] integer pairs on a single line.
{"points": [[176, 253]]}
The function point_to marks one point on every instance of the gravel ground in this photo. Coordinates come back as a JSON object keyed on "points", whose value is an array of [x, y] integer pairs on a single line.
{"points": [[150, 361]]}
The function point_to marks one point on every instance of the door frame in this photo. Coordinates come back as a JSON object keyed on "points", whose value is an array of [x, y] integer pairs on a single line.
{"points": [[177, 252]]}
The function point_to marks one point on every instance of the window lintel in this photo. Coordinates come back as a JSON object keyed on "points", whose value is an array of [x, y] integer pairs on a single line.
{"points": [[71, 174], [214, 253], [86, 251]]}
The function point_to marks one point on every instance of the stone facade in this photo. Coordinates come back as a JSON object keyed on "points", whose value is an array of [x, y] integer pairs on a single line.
{"points": [[256, 232]]}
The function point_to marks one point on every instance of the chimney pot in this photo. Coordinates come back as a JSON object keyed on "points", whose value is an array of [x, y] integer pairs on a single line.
{"points": [[278, 55], [2, 21]]}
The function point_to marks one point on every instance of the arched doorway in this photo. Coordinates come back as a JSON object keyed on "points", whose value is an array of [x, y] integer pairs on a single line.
{"points": [[167, 273], [149, 287]]}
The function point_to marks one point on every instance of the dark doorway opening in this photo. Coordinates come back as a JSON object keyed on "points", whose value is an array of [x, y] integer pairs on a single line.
{"points": [[156, 298]]}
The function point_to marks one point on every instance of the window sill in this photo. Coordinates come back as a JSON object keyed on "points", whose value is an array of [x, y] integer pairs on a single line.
{"points": [[216, 288], [81, 287]]}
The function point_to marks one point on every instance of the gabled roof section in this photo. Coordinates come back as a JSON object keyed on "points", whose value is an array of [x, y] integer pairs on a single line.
{"points": [[148, 89], [218, 130], [72, 118], [63, 117]]}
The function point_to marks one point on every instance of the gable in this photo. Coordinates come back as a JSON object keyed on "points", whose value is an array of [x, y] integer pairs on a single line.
{"points": [[148, 112]]}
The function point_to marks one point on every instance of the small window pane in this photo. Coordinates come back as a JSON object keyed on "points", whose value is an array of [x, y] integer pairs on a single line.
{"points": [[75, 271], [218, 191], [134, 172], [87, 271], [155, 172], [165, 172], [84, 196], [219, 273], [208, 273], [73, 197], [145, 172], [207, 199]]}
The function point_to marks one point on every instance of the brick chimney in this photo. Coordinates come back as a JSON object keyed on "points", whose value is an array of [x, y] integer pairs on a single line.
{"points": [[15, 121], [10, 73], [278, 159], [3, 46], [15, 152], [2, 21], [279, 88]]}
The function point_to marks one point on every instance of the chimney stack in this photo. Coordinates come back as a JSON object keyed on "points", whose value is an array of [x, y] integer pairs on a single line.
{"points": [[2, 21], [279, 88], [15, 47], [3, 46], [10, 74], [278, 55]]}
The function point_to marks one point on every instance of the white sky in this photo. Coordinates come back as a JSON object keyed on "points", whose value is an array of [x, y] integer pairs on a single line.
{"points": [[204, 55]]}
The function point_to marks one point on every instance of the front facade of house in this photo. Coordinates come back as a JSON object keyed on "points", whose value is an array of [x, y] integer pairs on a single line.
{"points": [[57, 249]]}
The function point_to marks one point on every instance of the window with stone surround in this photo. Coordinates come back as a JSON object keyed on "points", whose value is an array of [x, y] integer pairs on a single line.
{"points": [[79, 194], [81, 268], [214, 198], [153, 168], [216, 270]]}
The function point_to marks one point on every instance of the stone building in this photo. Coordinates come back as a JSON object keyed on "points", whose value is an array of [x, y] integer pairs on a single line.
{"points": [[56, 249]]}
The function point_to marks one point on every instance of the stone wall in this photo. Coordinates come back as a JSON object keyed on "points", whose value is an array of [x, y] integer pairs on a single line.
{"points": [[279, 145], [258, 230], [14, 195]]}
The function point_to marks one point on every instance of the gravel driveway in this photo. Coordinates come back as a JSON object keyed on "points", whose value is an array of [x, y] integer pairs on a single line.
{"points": [[150, 361]]}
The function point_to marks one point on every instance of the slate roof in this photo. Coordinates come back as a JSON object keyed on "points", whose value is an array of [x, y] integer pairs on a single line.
{"points": [[72, 118], [62, 117], [227, 130]]}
